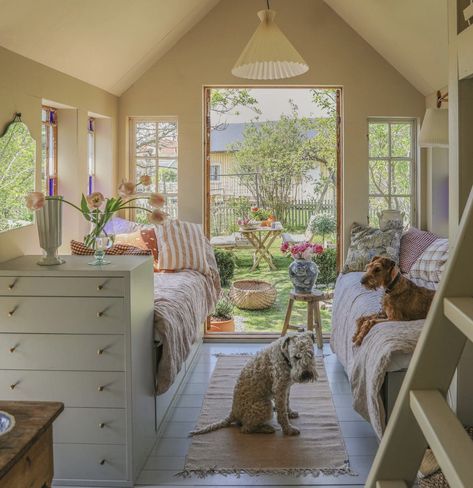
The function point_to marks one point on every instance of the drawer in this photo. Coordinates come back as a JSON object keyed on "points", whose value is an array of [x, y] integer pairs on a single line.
{"points": [[62, 286], [73, 388], [62, 352], [62, 315], [89, 462], [91, 425]]}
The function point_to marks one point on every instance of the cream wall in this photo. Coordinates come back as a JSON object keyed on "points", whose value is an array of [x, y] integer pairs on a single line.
{"points": [[205, 55], [23, 86]]}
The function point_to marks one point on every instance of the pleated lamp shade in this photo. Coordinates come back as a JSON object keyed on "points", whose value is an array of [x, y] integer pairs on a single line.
{"points": [[269, 55], [434, 130]]}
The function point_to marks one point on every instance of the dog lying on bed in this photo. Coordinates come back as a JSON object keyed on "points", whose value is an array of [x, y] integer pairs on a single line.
{"points": [[268, 376], [403, 299]]}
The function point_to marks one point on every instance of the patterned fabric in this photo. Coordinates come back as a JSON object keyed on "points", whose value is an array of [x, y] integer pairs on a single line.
{"points": [[368, 242], [431, 263], [80, 249], [142, 239], [181, 246], [413, 243]]}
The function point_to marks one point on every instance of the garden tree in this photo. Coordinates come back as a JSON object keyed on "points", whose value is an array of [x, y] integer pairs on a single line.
{"points": [[277, 151], [17, 170], [225, 101]]}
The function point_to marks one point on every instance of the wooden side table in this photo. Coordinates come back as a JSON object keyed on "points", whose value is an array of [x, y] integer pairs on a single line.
{"points": [[314, 321]]}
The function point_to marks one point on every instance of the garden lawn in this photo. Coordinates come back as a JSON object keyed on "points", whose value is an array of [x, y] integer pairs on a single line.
{"points": [[271, 319]]}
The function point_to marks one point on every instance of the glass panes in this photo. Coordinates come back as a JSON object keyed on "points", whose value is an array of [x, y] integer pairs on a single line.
{"points": [[404, 205], [167, 178], [146, 167], [49, 150], [378, 140], [401, 140], [377, 205], [146, 139], [167, 137], [379, 177], [401, 177]]}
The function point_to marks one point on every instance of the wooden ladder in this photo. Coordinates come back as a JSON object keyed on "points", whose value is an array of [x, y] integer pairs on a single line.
{"points": [[421, 416]]}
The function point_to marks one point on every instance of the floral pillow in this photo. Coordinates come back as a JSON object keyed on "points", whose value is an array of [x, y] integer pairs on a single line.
{"points": [[368, 242]]}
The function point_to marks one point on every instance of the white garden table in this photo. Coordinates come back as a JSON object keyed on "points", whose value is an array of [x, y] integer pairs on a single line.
{"points": [[261, 239]]}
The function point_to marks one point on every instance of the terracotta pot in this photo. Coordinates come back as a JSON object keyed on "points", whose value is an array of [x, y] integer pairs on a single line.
{"points": [[222, 325]]}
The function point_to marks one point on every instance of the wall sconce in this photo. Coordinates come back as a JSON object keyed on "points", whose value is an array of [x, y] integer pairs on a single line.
{"points": [[434, 130]]}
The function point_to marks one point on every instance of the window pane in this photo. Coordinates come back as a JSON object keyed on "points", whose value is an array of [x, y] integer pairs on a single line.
{"points": [[146, 139], [146, 167], [167, 177], [404, 205], [141, 216], [379, 177], [401, 178], [167, 138], [376, 206], [401, 140], [378, 140]]}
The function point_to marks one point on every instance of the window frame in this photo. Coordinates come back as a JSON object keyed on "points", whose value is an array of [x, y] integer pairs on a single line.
{"points": [[91, 168], [412, 220], [217, 176], [50, 182], [132, 122]]}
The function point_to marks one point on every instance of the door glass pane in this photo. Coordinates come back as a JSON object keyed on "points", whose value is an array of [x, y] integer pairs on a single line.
{"points": [[379, 177], [145, 139], [376, 206], [378, 140], [401, 178], [167, 137], [145, 167], [401, 140], [404, 205], [167, 177]]}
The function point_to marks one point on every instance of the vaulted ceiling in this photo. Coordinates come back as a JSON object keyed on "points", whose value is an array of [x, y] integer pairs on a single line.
{"points": [[111, 43]]}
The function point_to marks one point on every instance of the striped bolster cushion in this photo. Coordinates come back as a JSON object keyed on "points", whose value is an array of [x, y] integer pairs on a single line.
{"points": [[181, 246]]}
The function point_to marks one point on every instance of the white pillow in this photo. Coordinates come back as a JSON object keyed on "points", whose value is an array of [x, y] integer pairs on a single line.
{"points": [[181, 245]]}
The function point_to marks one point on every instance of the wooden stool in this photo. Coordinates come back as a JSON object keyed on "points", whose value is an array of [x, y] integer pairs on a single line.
{"points": [[314, 321]]}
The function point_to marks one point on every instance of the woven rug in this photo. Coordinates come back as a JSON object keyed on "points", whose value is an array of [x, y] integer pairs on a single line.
{"points": [[318, 449]]}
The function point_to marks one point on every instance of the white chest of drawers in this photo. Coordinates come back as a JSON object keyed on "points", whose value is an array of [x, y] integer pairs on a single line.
{"points": [[84, 336]]}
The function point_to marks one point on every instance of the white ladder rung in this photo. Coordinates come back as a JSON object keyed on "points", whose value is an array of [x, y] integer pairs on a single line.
{"points": [[460, 312], [391, 484], [446, 436]]}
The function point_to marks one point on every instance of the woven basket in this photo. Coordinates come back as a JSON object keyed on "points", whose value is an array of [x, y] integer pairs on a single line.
{"points": [[252, 294]]}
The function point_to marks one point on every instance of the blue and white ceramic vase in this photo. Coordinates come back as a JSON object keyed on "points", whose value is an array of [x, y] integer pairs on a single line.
{"points": [[303, 274]]}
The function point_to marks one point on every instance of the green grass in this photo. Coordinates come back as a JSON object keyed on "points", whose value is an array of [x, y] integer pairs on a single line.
{"points": [[271, 319]]}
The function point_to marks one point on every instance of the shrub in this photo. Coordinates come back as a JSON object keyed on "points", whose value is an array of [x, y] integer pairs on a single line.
{"points": [[226, 265], [327, 263], [223, 308], [323, 225]]}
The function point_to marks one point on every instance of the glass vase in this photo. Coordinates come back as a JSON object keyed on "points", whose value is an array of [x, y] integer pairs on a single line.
{"points": [[303, 274], [101, 244]]}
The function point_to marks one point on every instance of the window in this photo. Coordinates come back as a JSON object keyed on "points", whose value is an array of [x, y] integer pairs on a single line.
{"points": [[392, 167], [49, 151], [215, 172], [154, 153], [91, 152]]}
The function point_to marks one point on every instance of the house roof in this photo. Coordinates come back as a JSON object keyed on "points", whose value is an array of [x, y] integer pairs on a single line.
{"points": [[111, 43], [220, 140]]}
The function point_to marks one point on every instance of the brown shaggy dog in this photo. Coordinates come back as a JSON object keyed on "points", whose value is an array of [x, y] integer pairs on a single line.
{"points": [[403, 299]]}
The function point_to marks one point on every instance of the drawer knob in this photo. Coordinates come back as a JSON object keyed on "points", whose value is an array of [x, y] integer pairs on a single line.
{"points": [[14, 385], [12, 285], [100, 351], [100, 314], [100, 287], [101, 388], [102, 425], [11, 312], [102, 462], [13, 349]]}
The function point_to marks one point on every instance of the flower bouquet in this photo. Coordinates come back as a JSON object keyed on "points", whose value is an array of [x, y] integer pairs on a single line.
{"points": [[303, 271], [99, 210]]}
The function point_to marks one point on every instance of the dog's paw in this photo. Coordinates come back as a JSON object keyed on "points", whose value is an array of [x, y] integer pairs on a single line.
{"points": [[292, 414], [292, 431]]}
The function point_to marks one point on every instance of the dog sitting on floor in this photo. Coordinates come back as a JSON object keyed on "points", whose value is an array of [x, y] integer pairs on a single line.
{"points": [[266, 377], [403, 299]]}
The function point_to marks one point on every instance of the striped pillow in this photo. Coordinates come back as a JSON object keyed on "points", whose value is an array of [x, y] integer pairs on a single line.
{"points": [[431, 263], [80, 249], [413, 243], [181, 246]]}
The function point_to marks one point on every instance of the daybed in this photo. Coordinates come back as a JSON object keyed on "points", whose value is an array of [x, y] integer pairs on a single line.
{"points": [[376, 368]]}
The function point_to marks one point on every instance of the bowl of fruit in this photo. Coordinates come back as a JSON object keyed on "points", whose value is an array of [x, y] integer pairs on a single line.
{"points": [[248, 224]]}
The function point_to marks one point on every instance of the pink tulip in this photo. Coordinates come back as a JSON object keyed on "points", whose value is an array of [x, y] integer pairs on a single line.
{"points": [[158, 216], [126, 189], [35, 200], [157, 200], [95, 200], [145, 180]]}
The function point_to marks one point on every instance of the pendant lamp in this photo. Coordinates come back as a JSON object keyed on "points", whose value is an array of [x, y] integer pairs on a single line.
{"points": [[269, 55]]}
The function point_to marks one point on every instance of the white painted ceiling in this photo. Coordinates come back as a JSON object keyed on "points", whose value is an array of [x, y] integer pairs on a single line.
{"points": [[108, 43], [410, 34], [111, 43]]}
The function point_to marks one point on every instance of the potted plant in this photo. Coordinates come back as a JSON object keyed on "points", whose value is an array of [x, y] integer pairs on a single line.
{"points": [[303, 271], [261, 215], [222, 319]]}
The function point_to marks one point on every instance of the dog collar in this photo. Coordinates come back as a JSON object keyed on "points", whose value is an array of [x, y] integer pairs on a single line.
{"points": [[393, 283]]}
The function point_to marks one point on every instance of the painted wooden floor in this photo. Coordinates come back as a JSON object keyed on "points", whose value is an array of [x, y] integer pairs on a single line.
{"points": [[168, 456]]}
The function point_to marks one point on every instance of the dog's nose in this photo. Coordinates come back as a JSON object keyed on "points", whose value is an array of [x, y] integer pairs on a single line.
{"points": [[307, 376]]}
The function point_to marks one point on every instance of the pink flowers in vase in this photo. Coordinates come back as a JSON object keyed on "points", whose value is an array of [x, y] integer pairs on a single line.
{"points": [[302, 250]]}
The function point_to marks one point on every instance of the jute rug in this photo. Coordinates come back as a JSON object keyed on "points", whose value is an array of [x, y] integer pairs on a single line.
{"points": [[318, 449]]}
